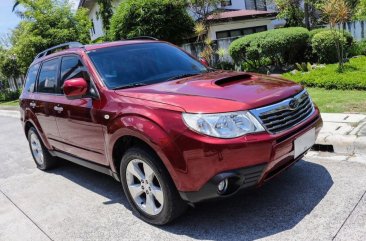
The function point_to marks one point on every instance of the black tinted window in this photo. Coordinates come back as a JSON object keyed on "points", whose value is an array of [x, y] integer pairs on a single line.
{"points": [[47, 81], [71, 67], [31, 78], [143, 63]]}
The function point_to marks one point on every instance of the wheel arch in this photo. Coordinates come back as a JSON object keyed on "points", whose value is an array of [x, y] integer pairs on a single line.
{"points": [[151, 136]]}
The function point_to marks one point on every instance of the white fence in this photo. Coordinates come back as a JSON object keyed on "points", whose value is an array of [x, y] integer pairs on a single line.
{"points": [[357, 29]]}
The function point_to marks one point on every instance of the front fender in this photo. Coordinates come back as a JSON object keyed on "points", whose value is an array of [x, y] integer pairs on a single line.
{"points": [[153, 135]]}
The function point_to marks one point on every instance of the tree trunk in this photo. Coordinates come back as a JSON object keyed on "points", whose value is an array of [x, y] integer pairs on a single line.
{"points": [[307, 15]]}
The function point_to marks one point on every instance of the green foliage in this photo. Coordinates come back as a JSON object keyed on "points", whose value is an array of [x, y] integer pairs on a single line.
{"points": [[9, 64], [291, 11], [7, 95], [304, 67], [329, 77], [46, 23], [163, 19], [316, 31], [224, 65], [358, 48], [280, 46], [325, 47]]}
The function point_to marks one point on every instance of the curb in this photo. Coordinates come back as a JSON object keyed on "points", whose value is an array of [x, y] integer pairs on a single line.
{"points": [[346, 133]]}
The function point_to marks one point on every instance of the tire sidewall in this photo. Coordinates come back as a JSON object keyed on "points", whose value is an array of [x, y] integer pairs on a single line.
{"points": [[31, 131]]}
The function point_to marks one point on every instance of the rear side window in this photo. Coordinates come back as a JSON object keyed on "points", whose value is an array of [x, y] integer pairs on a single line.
{"points": [[71, 67], [47, 81], [31, 78]]}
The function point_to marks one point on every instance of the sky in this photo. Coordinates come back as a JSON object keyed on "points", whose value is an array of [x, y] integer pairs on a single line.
{"points": [[8, 19]]}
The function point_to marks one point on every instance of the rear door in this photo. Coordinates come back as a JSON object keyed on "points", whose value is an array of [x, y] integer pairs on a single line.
{"points": [[46, 101], [80, 128]]}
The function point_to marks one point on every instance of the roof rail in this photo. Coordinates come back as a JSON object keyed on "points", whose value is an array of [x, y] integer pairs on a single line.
{"points": [[142, 38], [68, 45]]}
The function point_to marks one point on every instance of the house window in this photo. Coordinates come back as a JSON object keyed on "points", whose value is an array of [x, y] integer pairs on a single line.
{"points": [[259, 5], [240, 32], [92, 28], [225, 3]]}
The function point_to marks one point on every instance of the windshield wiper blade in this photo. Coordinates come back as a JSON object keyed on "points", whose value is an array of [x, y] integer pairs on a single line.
{"points": [[181, 76], [130, 86]]}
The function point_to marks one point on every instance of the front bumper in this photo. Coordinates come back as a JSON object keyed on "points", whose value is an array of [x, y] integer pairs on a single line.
{"points": [[247, 162]]}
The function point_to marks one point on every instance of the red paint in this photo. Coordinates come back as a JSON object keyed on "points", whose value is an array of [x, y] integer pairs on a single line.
{"points": [[153, 114], [75, 87]]}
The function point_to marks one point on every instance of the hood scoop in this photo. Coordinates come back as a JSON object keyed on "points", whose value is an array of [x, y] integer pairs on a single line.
{"points": [[233, 80]]}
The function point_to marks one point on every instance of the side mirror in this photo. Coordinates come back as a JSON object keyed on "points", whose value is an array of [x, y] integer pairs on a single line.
{"points": [[75, 88], [204, 62]]}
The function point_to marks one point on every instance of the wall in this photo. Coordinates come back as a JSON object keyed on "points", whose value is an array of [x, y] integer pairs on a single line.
{"points": [[217, 27], [98, 24]]}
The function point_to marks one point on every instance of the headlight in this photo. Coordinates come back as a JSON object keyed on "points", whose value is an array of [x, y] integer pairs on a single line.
{"points": [[223, 125]]}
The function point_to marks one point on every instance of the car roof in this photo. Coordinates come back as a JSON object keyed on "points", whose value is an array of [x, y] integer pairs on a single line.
{"points": [[91, 47]]}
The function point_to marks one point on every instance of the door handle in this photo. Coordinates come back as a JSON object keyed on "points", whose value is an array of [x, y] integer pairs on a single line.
{"points": [[32, 104], [58, 108]]}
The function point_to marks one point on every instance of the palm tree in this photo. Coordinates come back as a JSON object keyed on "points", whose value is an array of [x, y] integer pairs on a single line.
{"points": [[16, 3]]}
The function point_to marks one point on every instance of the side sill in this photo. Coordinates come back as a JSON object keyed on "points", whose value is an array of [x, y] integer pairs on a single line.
{"points": [[85, 163]]}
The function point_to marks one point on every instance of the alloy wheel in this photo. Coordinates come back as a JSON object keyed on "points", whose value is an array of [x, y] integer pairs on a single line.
{"points": [[37, 148], [144, 187]]}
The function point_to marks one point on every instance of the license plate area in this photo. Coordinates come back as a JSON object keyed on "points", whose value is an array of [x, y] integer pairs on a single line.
{"points": [[304, 142]]}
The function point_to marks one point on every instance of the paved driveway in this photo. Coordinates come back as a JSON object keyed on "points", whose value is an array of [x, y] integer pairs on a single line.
{"points": [[320, 198]]}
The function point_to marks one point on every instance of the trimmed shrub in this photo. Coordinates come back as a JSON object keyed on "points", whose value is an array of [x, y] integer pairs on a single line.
{"points": [[281, 46], [313, 32], [163, 19], [325, 48]]}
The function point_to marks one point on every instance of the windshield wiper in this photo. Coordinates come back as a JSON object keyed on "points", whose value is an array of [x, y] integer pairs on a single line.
{"points": [[130, 86], [181, 76]]}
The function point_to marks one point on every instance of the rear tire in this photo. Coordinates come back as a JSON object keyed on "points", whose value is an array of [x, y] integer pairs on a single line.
{"points": [[149, 188], [41, 156]]}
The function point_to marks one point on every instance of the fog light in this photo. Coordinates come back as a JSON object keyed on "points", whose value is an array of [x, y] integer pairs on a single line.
{"points": [[223, 185]]}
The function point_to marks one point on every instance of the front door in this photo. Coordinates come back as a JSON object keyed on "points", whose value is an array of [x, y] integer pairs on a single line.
{"points": [[81, 131]]}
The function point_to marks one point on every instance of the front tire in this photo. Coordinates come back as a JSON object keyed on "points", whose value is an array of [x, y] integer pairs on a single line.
{"points": [[43, 159], [149, 188]]}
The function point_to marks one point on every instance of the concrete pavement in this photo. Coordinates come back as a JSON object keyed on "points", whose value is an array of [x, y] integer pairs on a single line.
{"points": [[320, 198]]}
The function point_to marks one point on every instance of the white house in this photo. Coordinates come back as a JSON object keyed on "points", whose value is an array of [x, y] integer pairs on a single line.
{"points": [[240, 17]]}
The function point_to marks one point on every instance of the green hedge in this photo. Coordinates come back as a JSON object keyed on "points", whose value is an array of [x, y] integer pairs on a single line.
{"points": [[325, 48], [281, 46], [328, 77]]}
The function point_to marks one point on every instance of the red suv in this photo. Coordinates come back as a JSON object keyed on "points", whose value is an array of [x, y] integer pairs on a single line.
{"points": [[173, 131]]}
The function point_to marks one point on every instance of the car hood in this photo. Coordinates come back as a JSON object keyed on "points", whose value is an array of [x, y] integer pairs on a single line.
{"points": [[219, 91]]}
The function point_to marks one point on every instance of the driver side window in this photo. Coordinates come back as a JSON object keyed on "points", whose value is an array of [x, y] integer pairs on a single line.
{"points": [[71, 67]]}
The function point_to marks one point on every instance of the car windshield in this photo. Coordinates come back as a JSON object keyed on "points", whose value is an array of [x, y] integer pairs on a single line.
{"points": [[143, 64]]}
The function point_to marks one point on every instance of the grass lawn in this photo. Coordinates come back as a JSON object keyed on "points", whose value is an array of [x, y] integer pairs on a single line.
{"points": [[353, 77], [339, 101], [10, 103]]}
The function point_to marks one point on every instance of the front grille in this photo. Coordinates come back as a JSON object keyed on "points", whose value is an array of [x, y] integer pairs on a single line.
{"points": [[286, 114]]}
